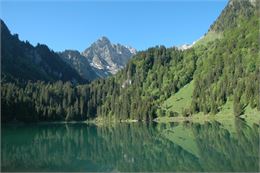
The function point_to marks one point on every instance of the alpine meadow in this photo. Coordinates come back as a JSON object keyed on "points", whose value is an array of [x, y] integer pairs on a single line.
{"points": [[115, 108]]}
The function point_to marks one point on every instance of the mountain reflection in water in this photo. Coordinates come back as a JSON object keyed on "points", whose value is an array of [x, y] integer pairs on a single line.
{"points": [[131, 147]]}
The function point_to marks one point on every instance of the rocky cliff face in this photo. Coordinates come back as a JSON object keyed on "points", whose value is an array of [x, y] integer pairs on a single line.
{"points": [[101, 59], [104, 55], [79, 63]]}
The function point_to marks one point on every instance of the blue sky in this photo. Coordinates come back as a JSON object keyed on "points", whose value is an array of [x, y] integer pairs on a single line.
{"points": [[141, 24]]}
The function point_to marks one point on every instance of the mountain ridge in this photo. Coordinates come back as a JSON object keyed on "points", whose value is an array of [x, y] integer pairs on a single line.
{"points": [[20, 60], [102, 57]]}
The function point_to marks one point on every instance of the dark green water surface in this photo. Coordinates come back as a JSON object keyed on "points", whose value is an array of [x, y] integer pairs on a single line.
{"points": [[131, 147]]}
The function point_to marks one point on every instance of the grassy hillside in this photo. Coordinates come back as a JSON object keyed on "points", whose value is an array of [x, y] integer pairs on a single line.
{"points": [[180, 101], [209, 37]]}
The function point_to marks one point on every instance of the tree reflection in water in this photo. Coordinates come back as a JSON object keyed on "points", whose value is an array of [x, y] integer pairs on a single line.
{"points": [[130, 147]]}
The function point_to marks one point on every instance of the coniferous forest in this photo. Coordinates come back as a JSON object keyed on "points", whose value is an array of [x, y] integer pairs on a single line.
{"points": [[36, 85]]}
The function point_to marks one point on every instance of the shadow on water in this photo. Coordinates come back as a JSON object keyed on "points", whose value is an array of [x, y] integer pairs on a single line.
{"points": [[130, 147]]}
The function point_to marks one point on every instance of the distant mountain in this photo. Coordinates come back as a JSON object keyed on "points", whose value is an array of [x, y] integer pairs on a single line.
{"points": [[102, 57], [102, 54], [20, 60]]}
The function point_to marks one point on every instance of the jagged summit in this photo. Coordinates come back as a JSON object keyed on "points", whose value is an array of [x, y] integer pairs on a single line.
{"points": [[107, 56], [103, 39], [103, 57]]}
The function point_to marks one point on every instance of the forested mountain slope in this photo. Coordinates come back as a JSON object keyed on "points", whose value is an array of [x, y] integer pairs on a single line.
{"points": [[22, 61], [229, 67], [220, 69]]}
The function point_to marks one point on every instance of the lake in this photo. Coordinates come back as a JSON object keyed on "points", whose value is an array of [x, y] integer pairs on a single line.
{"points": [[131, 147]]}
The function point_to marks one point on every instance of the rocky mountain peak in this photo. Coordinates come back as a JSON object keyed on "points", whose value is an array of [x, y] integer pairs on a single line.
{"points": [[106, 56], [104, 40], [103, 57]]}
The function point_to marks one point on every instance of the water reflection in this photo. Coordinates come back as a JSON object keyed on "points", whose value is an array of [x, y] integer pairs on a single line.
{"points": [[131, 147]]}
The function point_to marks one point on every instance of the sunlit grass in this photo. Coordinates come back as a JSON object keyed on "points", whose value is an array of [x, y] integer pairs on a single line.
{"points": [[181, 100]]}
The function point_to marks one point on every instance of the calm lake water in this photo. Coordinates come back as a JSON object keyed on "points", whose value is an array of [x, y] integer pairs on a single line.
{"points": [[131, 147]]}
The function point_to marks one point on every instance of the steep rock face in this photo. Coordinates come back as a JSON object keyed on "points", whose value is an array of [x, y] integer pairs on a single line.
{"points": [[106, 56], [79, 63], [100, 60]]}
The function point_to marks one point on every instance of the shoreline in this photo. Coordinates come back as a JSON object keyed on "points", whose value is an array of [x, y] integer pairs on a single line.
{"points": [[197, 118], [207, 118]]}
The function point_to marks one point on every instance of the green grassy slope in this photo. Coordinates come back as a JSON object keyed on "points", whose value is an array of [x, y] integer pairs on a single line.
{"points": [[179, 101], [209, 37], [182, 99]]}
